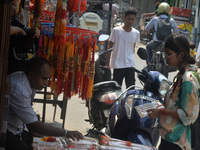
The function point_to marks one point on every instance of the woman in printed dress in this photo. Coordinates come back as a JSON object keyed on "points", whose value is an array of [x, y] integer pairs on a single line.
{"points": [[181, 101]]}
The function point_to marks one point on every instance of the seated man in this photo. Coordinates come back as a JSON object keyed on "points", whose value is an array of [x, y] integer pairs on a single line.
{"points": [[23, 86]]}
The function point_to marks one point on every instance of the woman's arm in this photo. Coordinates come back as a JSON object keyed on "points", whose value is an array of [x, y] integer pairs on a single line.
{"points": [[155, 113]]}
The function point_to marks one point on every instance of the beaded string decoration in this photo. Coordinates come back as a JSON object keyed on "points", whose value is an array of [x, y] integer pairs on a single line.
{"points": [[72, 60], [78, 61], [92, 70], [59, 38], [73, 6]]}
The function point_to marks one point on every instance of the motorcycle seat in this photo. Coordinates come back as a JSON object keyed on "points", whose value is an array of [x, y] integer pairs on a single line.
{"points": [[106, 84]]}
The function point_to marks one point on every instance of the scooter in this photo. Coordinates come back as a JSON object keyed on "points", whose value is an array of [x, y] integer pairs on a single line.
{"points": [[128, 119], [102, 73], [105, 91]]}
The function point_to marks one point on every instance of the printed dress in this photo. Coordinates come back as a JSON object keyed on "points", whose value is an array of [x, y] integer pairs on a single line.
{"points": [[185, 100]]}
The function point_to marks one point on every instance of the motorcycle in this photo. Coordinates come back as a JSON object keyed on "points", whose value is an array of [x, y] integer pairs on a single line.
{"points": [[128, 119], [158, 62]]}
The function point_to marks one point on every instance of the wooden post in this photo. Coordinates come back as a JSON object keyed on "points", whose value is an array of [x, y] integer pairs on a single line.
{"points": [[5, 20]]}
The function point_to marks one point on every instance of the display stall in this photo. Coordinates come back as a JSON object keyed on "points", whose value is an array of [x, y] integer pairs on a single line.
{"points": [[105, 143], [70, 51]]}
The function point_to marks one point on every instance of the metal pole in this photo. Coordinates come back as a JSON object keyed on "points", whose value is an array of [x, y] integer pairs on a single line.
{"points": [[109, 18], [79, 5], [44, 105]]}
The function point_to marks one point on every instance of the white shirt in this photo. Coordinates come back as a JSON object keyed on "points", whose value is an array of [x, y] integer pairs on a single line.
{"points": [[20, 102], [123, 50], [154, 24]]}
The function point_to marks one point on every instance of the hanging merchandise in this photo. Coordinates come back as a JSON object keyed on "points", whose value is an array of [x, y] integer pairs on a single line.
{"points": [[73, 6], [32, 4], [59, 48], [36, 10], [72, 59]]}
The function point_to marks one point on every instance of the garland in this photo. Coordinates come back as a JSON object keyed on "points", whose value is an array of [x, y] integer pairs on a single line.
{"points": [[72, 59], [73, 6], [71, 53]]}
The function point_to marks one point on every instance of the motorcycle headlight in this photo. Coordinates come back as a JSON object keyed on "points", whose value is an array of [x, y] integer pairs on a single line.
{"points": [[129, 105], [164, 86]]}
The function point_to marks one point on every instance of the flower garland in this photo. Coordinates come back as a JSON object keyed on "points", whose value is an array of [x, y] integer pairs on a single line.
{"points": [[73, 6]]}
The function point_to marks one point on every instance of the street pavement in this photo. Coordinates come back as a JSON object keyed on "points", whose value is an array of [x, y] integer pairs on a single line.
{"points": [[76, 111]]}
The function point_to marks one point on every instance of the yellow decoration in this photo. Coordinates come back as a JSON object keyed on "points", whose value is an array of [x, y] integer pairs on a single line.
{"points": [[193, 52], [185, 26]]}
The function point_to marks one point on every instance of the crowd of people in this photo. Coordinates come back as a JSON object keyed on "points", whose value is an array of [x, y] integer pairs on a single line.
{"points": [[181, 105]]}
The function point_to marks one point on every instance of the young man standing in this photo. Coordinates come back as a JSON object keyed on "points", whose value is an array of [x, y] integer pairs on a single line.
{"points": [[123, 40]]}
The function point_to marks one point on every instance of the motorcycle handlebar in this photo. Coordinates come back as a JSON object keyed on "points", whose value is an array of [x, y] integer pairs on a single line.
{"points": [[138, 71], [106, 51]]}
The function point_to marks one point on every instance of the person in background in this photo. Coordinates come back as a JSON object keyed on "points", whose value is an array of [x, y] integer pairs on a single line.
{"points": [[22, 43], [115, 10], [181, 105], [153, 14], [163, 11], [23, 86], [15, 22], [123, 40]]}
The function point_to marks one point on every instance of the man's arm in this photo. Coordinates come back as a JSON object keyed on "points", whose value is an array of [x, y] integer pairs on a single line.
{"points": [[149, 14], [108, 54], [30, 31], [15, 30], [134, 48], [40, 128]]}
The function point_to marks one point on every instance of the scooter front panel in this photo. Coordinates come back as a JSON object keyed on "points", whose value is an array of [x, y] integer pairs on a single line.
{"points": [[140, 97]]}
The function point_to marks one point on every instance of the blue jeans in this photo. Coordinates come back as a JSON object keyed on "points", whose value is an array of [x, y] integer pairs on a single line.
{"points": [[150, 46]]}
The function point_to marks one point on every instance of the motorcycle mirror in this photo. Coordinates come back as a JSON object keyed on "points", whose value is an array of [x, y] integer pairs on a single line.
{"points": [[103, 37], [142, 53]]}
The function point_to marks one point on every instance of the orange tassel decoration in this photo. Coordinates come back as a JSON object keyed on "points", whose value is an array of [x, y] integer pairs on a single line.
{"points": [[92, 71]]}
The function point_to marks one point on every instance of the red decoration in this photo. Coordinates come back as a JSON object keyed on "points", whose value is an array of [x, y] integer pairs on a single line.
{"points": [[32, 5], [180, 11], [73, 6]]}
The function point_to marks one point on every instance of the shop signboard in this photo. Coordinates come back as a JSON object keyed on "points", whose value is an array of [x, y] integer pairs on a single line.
{"points": [[91, 21]]}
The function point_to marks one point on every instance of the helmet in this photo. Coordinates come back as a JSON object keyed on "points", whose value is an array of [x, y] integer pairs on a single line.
{"points": [[163, 8]]}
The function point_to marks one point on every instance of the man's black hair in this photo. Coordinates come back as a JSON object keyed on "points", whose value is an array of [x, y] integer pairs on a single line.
{"points": [[35, 64], [130, 11]]}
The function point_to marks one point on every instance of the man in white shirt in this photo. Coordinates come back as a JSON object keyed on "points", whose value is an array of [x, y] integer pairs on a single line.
{"points": [[123, 40], [23, 86]]}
